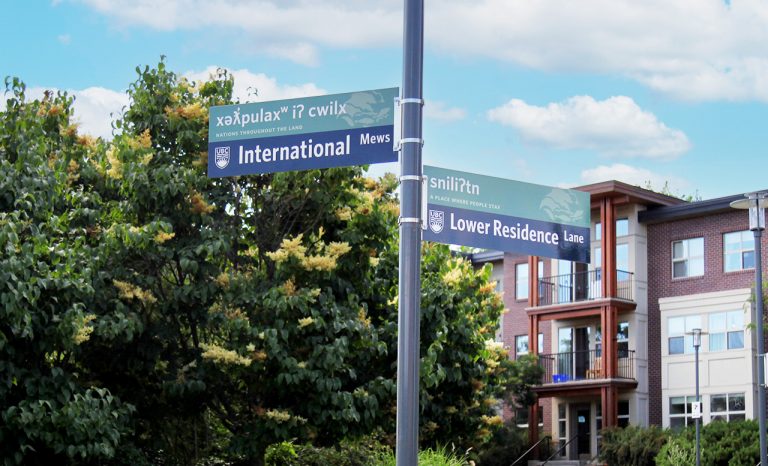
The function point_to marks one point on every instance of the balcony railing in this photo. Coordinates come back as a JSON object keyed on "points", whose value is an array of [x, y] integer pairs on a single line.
{"points": [[584, 365], [582, 286]]}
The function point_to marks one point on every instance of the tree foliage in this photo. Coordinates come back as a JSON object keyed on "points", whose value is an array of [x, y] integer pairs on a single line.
{"points": [[632, 445], [721, 443], [50, 409], [152, 314]]}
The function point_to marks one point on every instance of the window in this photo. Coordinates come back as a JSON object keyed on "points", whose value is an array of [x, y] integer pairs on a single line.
{"points": [[521, 344], [738, 251], [727, 407], [622, 227], [562, 432], [623, 416], [680, 411], [688, 258], [677, 327], [597, 258], [521, 417], [726, 330], [521, 279], [622, 262], [622, 340], [596, 284], [564, 281], [599, 425]]}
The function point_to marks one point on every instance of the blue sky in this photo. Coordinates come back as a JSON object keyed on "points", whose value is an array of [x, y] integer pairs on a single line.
{"points": [[549, 91]]}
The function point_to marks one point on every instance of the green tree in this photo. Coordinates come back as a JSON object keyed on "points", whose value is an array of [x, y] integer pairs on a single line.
{"points": [[48, 409], [223, 315]]}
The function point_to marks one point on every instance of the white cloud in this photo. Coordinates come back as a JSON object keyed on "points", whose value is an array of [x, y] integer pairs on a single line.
{"points": [[615, 127], [692, 49], [437, 110], [292, 29], [64, 39], [94, 108], [259, 87], [634, 176]]}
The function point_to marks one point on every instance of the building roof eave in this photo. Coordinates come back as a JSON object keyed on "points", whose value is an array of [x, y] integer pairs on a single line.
{"points": [[689, 210]]}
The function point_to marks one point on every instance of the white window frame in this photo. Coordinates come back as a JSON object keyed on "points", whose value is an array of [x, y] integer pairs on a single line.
{"points": [[686, 257], [620, 223], [741, 250], [734, 324], [520, 338], [522, 282], [622, 419], [562, 427], [689, 323], [732, 412], [525, 409], [687, 415]]}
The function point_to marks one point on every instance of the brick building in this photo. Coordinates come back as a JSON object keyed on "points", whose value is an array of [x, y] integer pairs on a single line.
{"points": [[659, 267]]}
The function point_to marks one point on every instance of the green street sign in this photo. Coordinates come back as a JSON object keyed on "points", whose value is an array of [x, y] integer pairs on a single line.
{"points": [[495, 213]]}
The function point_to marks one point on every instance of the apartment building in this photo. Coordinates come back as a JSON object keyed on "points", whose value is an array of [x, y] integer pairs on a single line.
{"points": [[702, 256], [659, 267]]}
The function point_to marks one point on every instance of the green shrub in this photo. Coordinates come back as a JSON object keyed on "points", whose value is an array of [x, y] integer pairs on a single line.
{"points": [[363, 452], [722, 444], [280, 453], [675, 452], [506, 446], [632, 446], [429, 457]]}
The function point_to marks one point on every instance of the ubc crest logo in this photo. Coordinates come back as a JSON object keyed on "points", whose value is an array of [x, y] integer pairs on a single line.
{"points": [[222, 157], [436, 220]]}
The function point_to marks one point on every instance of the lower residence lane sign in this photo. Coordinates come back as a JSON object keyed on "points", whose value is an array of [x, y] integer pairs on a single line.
{"points": [[493, 213], [355, 128]]}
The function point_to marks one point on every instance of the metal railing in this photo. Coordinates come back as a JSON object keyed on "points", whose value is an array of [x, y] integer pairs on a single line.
{"points": [[546, 437], [582, 286], [562, 447], [584, 365]]}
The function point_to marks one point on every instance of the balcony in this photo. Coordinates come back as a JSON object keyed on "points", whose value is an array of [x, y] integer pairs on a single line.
{"points": [[581, 366], [582, 286]]}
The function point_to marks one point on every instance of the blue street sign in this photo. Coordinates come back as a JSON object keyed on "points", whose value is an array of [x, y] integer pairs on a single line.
{"points": [[493, 213], [338, 130]]}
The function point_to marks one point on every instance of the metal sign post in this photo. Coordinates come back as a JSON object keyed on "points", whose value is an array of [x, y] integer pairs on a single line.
{"points": [[409, 311]]}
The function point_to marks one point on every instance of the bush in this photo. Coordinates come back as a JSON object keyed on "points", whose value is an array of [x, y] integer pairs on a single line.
{"points": [[722, 444], [364, 452], [676, 451], [632, 446], [506, 445], [429, 457]]}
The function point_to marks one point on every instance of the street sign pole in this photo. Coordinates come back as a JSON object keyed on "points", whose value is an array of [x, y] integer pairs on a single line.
{"points": [[409, 311]]}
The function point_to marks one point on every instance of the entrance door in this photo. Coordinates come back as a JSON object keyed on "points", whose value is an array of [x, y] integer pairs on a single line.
{"points": [[583, 431]]}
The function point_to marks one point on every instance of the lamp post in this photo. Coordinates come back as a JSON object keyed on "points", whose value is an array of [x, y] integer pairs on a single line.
{"points": [[756, 203], [696, 332]]}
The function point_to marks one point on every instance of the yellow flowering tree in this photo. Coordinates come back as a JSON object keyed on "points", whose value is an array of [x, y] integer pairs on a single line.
{"points": [[51, 412], [213, 316]]}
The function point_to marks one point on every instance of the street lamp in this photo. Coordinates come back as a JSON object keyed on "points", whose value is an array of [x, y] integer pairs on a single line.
{"points": [[756, 203], [696, 332]]}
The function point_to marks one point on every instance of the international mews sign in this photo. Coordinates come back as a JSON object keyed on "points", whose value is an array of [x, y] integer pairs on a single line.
{"points": [[355, 128], [493, 213]]}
